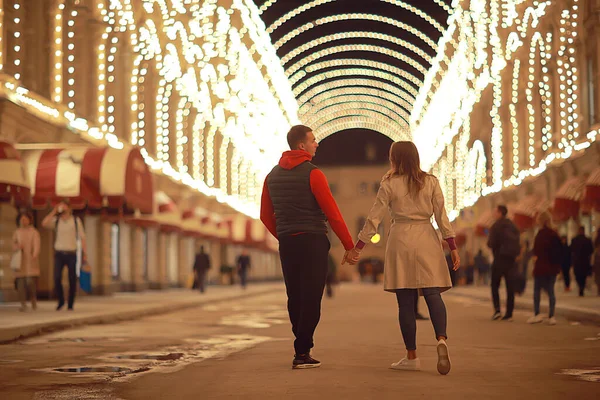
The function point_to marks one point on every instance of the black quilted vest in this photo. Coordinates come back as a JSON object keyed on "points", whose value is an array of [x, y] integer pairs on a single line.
{"points": [[296, 209]]}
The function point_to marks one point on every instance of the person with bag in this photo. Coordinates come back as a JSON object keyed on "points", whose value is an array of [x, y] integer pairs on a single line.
{"points": [[547, 248], [69, 240], [504, 240], [201, 267], [414, 258], [25, 264]]}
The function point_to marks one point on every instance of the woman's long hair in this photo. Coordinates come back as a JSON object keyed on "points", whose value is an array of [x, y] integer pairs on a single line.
{"points": [[405, 161]]}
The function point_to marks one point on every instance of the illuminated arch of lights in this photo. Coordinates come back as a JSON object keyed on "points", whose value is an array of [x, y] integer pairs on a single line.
{"points": [[392, 131], [369, 83], [362, 111], [356, 16], [354, 47], [330, 94], [356, 62], [297, 11], [348, 73], [352, 102], [354, 35]]}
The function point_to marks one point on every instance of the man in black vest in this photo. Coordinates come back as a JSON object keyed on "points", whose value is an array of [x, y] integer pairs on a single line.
{"points": [[295, 206]]}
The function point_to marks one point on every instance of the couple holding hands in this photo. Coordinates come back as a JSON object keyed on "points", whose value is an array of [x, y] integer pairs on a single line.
{"points": [[296, 205]]}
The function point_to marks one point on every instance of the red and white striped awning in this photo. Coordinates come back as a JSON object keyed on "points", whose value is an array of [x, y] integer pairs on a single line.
{"points": [[167, 214], [96, 177], [527, 209], [567, 199], [592, 191], [14, 186]]}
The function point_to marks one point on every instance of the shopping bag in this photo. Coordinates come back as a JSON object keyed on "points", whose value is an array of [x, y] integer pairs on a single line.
{"points": [[85, 277], [15, 260]]}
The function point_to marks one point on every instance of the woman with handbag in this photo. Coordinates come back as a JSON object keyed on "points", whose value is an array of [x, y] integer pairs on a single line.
{"points": [[26, 241]]}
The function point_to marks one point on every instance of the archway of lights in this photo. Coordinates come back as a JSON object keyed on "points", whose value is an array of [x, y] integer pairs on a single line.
{"points": [[197, 85], [526, 59], [363, 67]]}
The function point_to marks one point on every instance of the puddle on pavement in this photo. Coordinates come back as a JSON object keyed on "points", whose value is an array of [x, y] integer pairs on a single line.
{"points": [[10, 361], [86, 370], [166, 360], [158, 357], [587, 375], [50, 339], [591, 339], [255, 320]]}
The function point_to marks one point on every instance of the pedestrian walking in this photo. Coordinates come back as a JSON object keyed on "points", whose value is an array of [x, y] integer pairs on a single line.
{"points": [[565, 262], [69, 245], [201, 267], [547, 250], [523, 260], [504, 240], [296, 204], [243, 266], [26, 239], [414, 258], [483, 268], [581, 255], [597, 260]]}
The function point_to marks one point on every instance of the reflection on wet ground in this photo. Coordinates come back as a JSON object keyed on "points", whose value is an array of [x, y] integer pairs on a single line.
{"points": [[84, 370], [50, 339], [168, 359], [159, 357], [588, 375]]}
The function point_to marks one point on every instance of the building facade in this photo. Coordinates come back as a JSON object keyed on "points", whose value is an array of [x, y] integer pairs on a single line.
{"points": [[188, 88], [512, 113]]}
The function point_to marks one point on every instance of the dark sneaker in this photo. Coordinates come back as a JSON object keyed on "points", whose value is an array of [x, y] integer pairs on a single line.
{"points": [[508, 318], [305, 361]]}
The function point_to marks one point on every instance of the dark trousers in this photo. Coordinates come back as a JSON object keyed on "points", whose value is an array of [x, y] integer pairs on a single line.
{"points": [[504, 268], [201, 280], [243, 276], [304, 263], [566, 275], [581, 278], [406, 313], [62, 258]]}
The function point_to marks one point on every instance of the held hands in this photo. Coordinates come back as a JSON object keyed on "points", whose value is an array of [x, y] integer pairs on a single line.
{"points": [[351, 256], [455, 260]]}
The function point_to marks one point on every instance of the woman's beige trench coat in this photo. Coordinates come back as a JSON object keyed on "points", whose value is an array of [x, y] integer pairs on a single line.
{"points": [[414, 257]]}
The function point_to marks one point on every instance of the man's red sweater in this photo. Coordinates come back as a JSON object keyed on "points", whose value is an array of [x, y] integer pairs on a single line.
{"points": [[319, 188]]}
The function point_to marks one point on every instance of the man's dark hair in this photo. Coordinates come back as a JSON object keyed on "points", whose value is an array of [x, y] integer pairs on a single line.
{"points": [[503, 210], [582, 229], [297, 135]]}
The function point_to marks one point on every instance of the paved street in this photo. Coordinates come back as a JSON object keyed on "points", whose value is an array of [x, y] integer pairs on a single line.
{"points": [[242, 348]]}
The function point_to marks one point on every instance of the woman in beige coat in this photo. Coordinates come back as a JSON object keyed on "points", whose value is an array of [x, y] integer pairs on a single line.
{"points": [[414, 258], [27, 239]]}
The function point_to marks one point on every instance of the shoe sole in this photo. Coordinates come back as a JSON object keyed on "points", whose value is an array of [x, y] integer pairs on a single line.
{"points": [[306, 366], [405, 368], [443, 364]]}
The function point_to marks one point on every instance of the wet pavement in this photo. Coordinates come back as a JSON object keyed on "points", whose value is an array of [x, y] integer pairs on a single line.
{"points": [[243, 349]]}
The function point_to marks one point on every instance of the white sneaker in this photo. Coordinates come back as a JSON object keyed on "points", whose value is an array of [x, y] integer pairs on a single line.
{"points": [[407, 365], [443, 364], [536, 319], [552, 321]]}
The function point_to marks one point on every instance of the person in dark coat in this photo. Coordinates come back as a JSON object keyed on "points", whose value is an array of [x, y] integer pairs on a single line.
{"points": [[565, 262], [201, 266], [547, 250], [243, 265], [581, 255], [504, 240]]}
